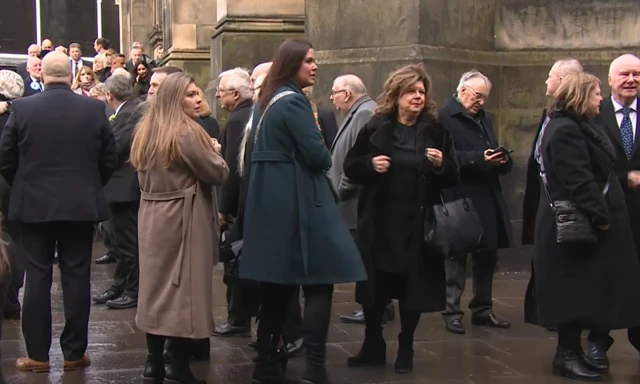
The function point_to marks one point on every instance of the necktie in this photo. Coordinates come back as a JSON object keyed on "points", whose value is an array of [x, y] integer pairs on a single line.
{"points": [[626, 130]]}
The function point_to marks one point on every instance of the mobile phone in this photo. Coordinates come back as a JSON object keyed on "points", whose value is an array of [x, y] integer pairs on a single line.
{"points": [[501, 149]]}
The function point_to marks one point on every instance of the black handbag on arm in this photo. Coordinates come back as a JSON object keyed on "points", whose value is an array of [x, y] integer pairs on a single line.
{"points": [[453, 228]]}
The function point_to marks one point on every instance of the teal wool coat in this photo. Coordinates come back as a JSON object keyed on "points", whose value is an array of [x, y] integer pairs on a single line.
{"points": [[293, 233]]}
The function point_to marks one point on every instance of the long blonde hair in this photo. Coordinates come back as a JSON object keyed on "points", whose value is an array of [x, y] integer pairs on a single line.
{"points": [[574, 93], [398, 84], [86, 69], [163, 121]]}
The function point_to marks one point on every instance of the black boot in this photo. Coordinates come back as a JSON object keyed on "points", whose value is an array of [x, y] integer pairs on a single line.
{"points": [[404, 361], [567, 363], [177, 369], [268, 370], [200, 350], [154, 365], [315, 374], [373, 351]]}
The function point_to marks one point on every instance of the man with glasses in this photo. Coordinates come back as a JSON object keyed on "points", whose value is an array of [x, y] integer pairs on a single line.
{"points": [[480, 169]]}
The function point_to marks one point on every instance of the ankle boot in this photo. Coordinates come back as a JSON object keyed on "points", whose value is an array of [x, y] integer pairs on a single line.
{"points": [[268, 370], [373, 351], [177, 369], [154, 365], [404, 361], [567, 363], [315, 374]]}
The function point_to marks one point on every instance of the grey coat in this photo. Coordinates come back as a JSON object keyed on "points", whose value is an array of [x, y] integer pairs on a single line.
{"points": [[357, 117]]}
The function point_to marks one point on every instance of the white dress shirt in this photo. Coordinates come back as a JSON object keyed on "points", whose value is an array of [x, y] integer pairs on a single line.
{"points": [[617, 107], [118, 109]]}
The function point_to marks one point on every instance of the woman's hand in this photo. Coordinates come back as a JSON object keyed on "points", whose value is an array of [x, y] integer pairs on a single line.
{"points": [[434, 156], [381, 163], [216, 145]]}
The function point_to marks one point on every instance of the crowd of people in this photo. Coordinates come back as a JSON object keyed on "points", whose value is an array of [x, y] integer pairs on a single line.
{"points": [[289, 200]]}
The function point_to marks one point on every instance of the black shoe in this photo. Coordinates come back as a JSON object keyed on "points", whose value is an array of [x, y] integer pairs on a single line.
{"points": [[567, 363], [13, 315], [490, 321], [153, 371], [596, 357], [295, 347], [373, 351], [268, 370], [356, 318], [177, 372], [123, 302], [106, 259], [455, 326], [228, 330], [404, 361], [253, 344], [106, 296], [315, 374]]}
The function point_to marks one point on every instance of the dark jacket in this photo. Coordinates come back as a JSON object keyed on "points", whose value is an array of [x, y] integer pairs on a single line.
{"points": [[5, 189], [594, 284], [328, 125], [123, 185], [293, 233], [210, 124], [230, 141], [531, 191], [479, 180], [57, 161], [607, 120], [426, 279]]}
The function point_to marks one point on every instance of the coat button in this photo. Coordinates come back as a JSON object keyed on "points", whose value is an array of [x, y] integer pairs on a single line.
{"points": [[482, 136]]}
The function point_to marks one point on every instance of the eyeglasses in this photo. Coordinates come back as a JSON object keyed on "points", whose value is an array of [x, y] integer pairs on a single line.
{"points": [[333, 93], [478, 96]]}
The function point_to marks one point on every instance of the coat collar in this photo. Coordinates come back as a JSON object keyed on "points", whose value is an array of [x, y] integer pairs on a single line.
{"points": [[383, 125], [53, 86], [453, 108], [243, 104], [590, 130]]}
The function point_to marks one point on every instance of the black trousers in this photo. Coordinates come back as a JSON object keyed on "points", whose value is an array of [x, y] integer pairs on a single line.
{"points": [[12, 303], [108, 239], [74, 241], [276, 300], [243, 302], [124, 235], [483, 264]]}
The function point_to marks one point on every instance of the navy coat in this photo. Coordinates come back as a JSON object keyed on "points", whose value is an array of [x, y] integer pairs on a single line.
{"points": [[293, 233]]}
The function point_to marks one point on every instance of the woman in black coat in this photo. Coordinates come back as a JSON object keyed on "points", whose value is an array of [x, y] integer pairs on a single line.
{"points": [[581, 286], [403, 158]]}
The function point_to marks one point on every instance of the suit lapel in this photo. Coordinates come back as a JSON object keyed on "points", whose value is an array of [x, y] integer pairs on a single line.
{"points": [[608, 116], [636, 139]]}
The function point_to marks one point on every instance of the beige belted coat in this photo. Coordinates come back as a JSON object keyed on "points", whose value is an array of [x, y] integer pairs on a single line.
{"points": [[178, 242]]}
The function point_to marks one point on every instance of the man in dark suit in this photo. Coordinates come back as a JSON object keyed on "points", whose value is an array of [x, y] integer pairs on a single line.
{"points": [[234, 95], [620, 118], [75, 56], [122, 193], [32, 51], [56, 163], [33, 83]]}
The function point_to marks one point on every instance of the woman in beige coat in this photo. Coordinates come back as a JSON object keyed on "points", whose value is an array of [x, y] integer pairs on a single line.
{"points": [[177, 166]]}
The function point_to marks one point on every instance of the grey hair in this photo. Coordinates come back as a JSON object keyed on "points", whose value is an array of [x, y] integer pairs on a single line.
{"points": [[99, 89], [472, 74], [352, 83], [122, 73], [11, 84], [119, 87], [568, 66], [239, 79]]}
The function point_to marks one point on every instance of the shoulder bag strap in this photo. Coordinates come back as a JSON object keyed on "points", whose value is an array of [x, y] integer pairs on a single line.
{"points": [[271, 102]]}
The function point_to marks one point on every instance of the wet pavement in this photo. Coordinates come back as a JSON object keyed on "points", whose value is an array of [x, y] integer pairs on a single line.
{"points": [[520, 355]]}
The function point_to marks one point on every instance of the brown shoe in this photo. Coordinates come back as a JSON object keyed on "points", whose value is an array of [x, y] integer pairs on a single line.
{"points": [[77, 364], [28, 365]]}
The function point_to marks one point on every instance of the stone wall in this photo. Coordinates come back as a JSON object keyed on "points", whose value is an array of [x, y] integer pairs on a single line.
{"points": [[513, 42]]}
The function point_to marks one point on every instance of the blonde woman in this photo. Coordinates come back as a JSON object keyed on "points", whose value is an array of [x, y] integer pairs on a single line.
{"points": [[177, 164], [84, 81], [578, 286]]}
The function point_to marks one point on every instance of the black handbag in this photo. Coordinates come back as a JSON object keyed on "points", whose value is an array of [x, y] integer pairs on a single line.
{"points": [[453, 228], [572, 225]]}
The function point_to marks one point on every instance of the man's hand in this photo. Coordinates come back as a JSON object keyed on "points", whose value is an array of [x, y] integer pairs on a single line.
{"points": [[633, 179], [495, 159], [216, 145], [4, 107]]}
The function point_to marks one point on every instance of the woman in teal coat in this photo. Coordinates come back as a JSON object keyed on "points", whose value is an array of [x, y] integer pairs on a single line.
{"points": [[293, 234]]}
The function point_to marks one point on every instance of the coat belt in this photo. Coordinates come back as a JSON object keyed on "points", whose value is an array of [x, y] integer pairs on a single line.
{"points": [[188, 195], [303, 214]]}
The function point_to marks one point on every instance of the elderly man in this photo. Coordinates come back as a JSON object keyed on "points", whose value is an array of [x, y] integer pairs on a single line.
{"points": [[620, 118], [122, 193], [480, 169], [235, 96], [137, 55], [56, 202], [32, 51], [559, 70], [33, 84]]}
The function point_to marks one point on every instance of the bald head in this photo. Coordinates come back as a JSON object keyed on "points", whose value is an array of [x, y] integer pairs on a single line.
{"points": [[560, 69], [56, 69], [624, 79], [346, 91], [260, 69]]}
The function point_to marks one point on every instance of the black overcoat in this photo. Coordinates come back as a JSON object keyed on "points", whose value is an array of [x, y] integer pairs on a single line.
{"points": [[597, 285], [479, 181], [426, 279]]}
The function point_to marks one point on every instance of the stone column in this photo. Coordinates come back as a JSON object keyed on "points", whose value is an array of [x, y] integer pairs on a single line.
{"points": [[513, 42], [137, 24], [248, 33]]}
